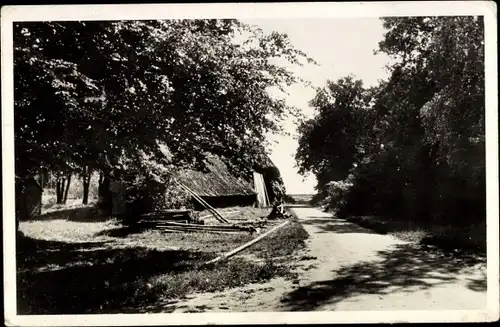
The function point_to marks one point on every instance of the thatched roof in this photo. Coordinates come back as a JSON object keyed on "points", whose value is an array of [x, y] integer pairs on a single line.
{"points": [[218, 181]]}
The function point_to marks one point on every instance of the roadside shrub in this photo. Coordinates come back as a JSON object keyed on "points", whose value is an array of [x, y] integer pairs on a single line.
{"points": [[175, 198], [288, 199], [285, 241], [76, 188], [337, 191]]}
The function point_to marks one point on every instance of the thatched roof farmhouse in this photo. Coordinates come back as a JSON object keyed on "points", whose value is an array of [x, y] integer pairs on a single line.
{"points": [[217, 185]]}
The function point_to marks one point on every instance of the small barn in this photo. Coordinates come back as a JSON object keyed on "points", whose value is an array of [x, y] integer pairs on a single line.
{"points": [[28, 198], [268, 181]]}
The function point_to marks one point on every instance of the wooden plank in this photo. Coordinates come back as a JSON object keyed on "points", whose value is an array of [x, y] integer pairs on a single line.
{"points": [[265, 191], [180, 229], [166, 221], [200, 229], [168, 211], [246, 245], [207, 229], [225, 214], [215, 213], [226, 227], [166, 215]]}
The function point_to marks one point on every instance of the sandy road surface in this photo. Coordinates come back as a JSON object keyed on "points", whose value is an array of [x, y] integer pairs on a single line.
{"points": [[352, 268]]}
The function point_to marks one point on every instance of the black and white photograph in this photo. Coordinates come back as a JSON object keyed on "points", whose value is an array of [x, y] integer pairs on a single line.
{"points": [[250, 163]]}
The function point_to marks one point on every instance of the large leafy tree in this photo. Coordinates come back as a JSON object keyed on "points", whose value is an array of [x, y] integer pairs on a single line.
{"points": [[443, 57], [332, 141], [88, 94]]}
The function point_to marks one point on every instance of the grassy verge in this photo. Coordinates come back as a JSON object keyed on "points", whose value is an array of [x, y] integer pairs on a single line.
{"points": [[470, 239], [74, 267], [285, 241]]}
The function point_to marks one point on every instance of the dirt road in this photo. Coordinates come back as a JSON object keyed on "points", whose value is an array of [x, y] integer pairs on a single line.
{"points": [[351, 268]]}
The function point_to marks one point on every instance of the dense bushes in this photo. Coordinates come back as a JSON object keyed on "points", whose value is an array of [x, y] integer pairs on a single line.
{"points": [[337, 191], [412, 148]]}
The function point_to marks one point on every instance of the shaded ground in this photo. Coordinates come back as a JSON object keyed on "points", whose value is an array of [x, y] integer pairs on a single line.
{"points": [[74, 264], [49, 203], [60, 277], [362, 270], [77, 213], [346, 267]]}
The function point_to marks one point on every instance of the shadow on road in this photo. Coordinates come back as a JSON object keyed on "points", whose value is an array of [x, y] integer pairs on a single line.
{"points": [[298, 205], [330, 224], [404, 268]]}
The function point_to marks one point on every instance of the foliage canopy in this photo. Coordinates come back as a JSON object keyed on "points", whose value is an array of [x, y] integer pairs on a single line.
{"points": [[414, 145], [88, 94]]}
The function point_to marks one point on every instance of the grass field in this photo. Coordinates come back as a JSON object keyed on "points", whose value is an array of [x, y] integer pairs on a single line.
{"points": [[301, 198], [99, 266]]}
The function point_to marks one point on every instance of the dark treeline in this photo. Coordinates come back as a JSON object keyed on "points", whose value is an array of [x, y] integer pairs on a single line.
{"points": [[414, 146], [134, 97]]}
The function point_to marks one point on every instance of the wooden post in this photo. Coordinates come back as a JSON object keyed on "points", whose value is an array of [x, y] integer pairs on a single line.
{"points": [[246, 245], [215, 213]]}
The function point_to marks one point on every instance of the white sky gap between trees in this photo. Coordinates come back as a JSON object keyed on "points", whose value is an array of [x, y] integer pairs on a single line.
{"points": [[349, 52]]}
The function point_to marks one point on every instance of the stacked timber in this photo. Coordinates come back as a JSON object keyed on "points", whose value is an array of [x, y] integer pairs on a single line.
{"points": [[176, 215], [187, 221], [254, 223]]}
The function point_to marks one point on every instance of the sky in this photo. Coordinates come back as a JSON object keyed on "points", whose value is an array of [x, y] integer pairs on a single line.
{"points": [[341, 47]]}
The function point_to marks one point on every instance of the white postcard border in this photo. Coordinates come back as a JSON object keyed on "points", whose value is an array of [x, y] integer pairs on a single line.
{"points": [[337, 10]]}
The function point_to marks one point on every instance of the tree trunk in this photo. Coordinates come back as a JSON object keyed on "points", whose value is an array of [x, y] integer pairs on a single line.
{"points": [[86, 185], [68, 182], [59, 188], [57, 192], [41, 176], [20, 204], [46, 178]]}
